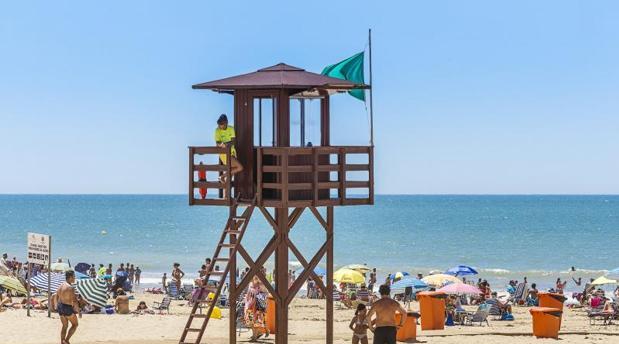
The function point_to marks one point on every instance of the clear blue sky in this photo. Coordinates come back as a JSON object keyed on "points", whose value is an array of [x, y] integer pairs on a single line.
{"points": [[470, 97]]}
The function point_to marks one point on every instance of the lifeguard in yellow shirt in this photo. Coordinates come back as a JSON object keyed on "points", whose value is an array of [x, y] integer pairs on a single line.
{"points": [[224, 137]]}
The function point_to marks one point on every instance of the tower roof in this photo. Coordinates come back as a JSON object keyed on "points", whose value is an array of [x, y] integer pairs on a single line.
{"points": [[280, 76]]}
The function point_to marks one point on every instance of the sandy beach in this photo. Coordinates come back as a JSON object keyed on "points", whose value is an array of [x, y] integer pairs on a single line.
{"points": [[307, 324]]}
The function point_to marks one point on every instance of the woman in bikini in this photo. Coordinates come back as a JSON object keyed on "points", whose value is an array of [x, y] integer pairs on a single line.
{"points": [[359, 325], [177, 275]]}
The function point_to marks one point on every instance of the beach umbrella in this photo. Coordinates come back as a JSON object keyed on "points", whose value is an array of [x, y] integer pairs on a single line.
{"points": [[398, 275], [603, 280], [461, 270], [317, 270], [362, 268], [460, 288], [409, 282], [60, 267], [93, 290], [40, 281], [80, 275], [440, 280], [348, 276], [82, 267], [12, 283]]}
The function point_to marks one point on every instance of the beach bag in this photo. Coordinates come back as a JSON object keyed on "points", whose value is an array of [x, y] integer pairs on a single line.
{"points": [[507, 317], [261, 302], [450, 320]]}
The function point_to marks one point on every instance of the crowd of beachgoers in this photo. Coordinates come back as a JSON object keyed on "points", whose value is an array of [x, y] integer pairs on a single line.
{"points": [[356, 287]]}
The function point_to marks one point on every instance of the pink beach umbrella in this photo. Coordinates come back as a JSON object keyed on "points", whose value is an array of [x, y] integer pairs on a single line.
{"points": [[460, 288]]}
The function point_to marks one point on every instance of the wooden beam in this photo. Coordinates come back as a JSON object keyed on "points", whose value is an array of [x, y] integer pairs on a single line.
{"points": [[269, 218], [266, 253], [329, 294], [303, 262], [294, 217], [292, 291], [257, 272], [322, 221], [281, 277]]}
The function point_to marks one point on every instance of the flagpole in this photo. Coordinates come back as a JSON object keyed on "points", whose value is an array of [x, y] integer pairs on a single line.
{"points": [[371, 87]]}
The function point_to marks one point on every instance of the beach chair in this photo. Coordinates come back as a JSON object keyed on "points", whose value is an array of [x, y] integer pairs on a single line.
{"points": [[520, 295], [479, 316], [164, 305], [494, 309], [173, 291], [595, 314]]}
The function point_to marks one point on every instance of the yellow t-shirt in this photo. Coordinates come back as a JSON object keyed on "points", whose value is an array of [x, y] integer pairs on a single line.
{"points": [[225, 136]]}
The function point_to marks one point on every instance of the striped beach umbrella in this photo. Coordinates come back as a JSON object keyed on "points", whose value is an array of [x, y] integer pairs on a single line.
{"points": [[12, 283], [40, 281], [93, 290]]}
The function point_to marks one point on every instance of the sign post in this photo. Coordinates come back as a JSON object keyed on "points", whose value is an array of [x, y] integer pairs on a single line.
{"points": [[40, 252]]}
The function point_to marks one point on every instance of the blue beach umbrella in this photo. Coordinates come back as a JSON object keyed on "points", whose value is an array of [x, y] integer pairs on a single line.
{"points": [[461, 270], [80, 275], [409, 282], [317, 270], [398, 275]]}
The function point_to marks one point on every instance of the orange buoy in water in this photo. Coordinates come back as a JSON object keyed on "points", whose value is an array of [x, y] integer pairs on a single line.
{"points": [[202, 178]]}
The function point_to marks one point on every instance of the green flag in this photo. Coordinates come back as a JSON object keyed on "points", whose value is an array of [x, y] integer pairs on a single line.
{"points": [[350, 69]]}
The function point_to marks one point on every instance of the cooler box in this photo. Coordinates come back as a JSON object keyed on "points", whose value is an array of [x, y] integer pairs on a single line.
{"points": [[408, 332], [551, 300], [546, 322], [432, 309]]}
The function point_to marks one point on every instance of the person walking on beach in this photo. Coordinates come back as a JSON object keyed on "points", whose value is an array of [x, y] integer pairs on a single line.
{"points": [[67, 307], [226, 137], [164, 278], [384, 326]]}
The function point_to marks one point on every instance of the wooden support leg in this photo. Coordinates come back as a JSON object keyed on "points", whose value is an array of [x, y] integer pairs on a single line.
{"points": [[232, 293], [329, 296], [281, 285]]}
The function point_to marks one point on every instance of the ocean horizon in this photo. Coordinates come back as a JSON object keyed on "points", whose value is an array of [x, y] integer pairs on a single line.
{"points": [[504, 236]]}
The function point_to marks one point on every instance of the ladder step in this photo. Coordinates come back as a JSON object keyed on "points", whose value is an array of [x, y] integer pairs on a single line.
{"points": [[223, 259], [239, 218], [198, 315], [233, 232], [227, 245], [216, 273], [188, 329]]}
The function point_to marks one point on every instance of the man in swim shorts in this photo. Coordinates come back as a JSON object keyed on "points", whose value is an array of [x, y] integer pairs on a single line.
{"points": [[384, 310], [67, 307]]}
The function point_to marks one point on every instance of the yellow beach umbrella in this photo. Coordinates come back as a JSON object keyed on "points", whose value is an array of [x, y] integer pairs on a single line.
{"points": [[440, 280], [603, 280], [12, 283], [344, 275], [362, 268]]}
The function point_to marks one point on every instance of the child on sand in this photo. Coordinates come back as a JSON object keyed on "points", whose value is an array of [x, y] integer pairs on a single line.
{"points": [[359, 325]]}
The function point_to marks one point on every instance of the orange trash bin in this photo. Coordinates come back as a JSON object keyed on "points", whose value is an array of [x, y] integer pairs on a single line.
{"points": [[551, 300], [432, 309], [546, 322], [408, 332], [270, 314]]}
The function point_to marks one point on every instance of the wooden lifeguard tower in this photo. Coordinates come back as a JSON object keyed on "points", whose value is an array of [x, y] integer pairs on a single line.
{"points": [[287, 179]]}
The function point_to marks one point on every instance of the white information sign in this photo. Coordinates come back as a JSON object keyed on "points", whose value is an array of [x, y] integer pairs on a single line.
{"points": [[38, 248]]}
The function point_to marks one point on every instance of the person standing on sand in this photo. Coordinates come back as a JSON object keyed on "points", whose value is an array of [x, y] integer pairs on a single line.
{"points": [[384, 326], [177, 275], [138, 272], [164, 278], [67, 307]]}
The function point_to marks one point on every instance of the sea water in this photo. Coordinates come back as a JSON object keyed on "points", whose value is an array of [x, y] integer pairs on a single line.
{"points": [[504, 237]]}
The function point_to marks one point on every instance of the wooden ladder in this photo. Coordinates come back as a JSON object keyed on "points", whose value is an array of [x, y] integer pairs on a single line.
{"points": [[234, 230]]}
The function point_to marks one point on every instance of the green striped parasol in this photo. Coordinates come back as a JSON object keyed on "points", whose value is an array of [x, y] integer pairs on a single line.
{"points": [[12, 283], [93, 290]]}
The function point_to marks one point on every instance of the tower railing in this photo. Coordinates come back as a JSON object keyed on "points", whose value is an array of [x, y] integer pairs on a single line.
{"points": [[314, 176], [201, 181]]}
